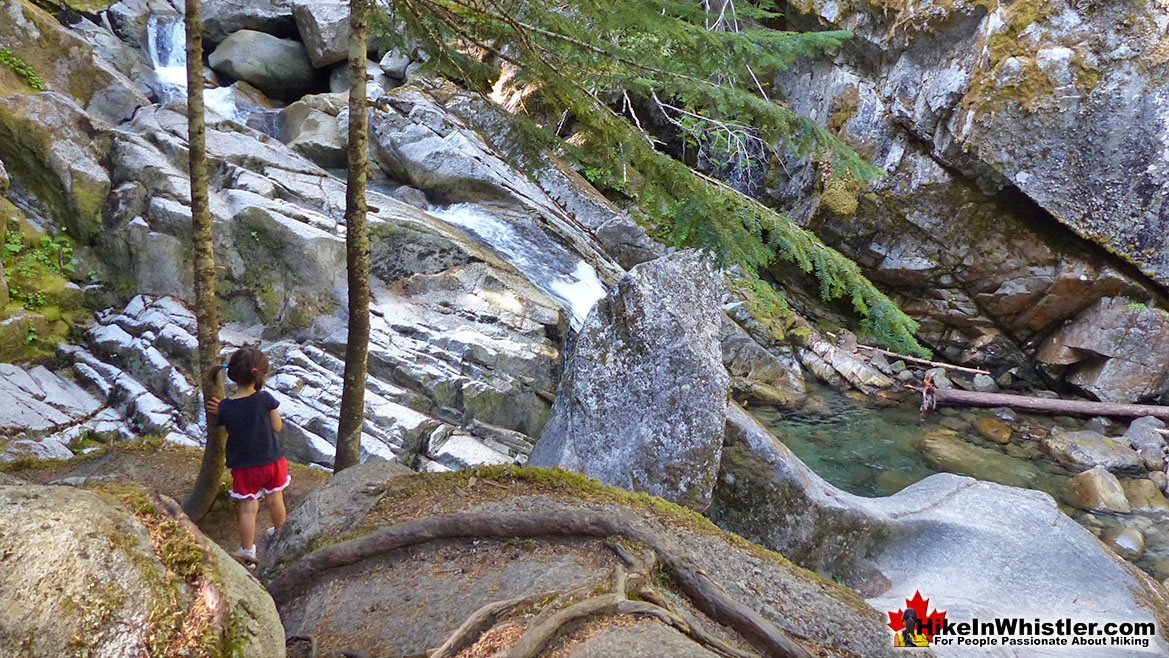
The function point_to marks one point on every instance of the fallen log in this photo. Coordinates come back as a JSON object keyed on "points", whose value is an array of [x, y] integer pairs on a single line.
{"points": [[1050, 405]]}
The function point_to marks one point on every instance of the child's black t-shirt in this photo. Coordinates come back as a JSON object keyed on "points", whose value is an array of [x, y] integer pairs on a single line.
{"points": [[250, 439]]}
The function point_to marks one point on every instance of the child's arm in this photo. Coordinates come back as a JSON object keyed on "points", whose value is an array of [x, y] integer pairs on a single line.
{"points": [[277, 424], [212, 409]]}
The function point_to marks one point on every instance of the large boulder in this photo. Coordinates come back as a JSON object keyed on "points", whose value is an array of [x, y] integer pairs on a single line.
{"points": [[313, 134], [1113, 348], [324, 29], [278, 67], [642, 403], [975, 549], [119, 574], [407, 601], [223, 17]]}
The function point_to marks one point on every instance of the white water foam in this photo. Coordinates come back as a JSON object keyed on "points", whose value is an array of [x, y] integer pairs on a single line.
{"points": [[550, 267], [166, 44]]}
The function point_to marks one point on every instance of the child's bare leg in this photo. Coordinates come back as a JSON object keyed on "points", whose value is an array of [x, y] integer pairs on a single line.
{"points": [[275, 502], [247, 522]]}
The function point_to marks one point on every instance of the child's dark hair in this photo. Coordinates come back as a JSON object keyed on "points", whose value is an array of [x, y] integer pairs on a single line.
{"points": [[247, 366]]}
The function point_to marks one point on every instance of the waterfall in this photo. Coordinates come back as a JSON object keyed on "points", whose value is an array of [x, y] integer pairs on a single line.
{"points": [[549, 266], [166, 43]]}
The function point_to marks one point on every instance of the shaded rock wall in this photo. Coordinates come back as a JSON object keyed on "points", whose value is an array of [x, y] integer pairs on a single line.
{"points": [[1006, 130]]}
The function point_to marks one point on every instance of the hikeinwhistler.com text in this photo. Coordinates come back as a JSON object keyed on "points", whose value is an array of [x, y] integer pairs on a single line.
{"points": [[1016, 631]]}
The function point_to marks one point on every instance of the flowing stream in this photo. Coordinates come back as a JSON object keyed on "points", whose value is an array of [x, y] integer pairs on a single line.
{"points": [[166, 45], [549, 266]]}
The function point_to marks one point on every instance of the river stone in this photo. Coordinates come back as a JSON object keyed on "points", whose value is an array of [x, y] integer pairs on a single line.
{"points": [[376, 82], [984, 384], [82, 565], [278, 67], [1143, 436], [1144, 496], [324, 30], [1128, 543], [1084, 449], [643, 401], [1097, 489], [993, 430]]}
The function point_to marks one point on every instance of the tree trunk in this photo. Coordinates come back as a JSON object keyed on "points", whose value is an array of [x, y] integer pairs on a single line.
{"points": [[356, 248], [206, 487], [1051, 405]]}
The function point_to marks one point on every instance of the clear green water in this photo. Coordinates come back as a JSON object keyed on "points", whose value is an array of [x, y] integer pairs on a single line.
{"points": [[877, 450]]}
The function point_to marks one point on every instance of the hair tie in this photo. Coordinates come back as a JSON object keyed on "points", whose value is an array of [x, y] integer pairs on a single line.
{"points": [[224, 366], [255, 370]]}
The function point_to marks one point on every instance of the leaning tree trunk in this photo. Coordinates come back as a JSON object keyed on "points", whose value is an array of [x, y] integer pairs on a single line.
{"points": [[206, 487], [356, 248]]}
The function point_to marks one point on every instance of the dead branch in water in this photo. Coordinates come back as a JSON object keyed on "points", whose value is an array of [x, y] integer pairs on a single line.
{"points": [[932, 396]]}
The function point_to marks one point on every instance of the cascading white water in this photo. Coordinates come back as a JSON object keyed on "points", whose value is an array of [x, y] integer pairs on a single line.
{"points": [[166, 45], [549, 266]]}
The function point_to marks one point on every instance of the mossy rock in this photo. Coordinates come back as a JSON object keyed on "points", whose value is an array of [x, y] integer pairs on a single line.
{"points": [[108, 573], [21, 334]]}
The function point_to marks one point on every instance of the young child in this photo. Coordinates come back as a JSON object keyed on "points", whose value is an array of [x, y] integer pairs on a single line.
{"points": [[258, 467]]}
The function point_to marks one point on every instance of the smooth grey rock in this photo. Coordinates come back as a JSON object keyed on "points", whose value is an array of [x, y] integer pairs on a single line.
{"points": [[643, 401], [1085, 449], [994, 550], [442, 148], [1097, 489], [394, 63], [278, 67], [330, 510], [324, 30]]}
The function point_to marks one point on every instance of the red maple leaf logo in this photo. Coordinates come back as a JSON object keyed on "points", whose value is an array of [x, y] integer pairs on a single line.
{"points": [[930, 623]]}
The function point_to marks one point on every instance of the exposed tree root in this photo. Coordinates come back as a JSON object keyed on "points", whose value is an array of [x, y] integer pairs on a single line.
{"points": [[481, 621], [706, 595]]}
